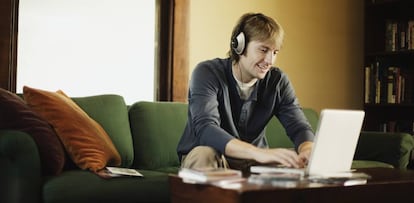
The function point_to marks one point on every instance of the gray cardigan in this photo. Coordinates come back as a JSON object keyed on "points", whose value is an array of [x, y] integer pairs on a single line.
{"points": [[216, 113]]}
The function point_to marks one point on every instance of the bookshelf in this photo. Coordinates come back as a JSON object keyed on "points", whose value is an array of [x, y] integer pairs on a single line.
{"points": [[389, 66]]}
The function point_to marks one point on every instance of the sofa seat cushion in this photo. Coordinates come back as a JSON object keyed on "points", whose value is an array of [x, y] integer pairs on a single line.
{"points": [[170, 170], [83, 186]]}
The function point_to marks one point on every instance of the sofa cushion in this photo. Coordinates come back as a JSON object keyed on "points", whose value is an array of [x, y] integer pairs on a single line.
{"points": [[15, 114], [380, 146], [84, 139], [84, 186], [156, 128], [112, 113], [276, 134], [357, 164]]}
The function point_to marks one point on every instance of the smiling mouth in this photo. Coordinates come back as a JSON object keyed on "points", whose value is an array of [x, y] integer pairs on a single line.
{"points": [[262, 67]]}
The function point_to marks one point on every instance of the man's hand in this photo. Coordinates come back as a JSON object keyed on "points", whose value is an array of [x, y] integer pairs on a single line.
{"points": [[305, 150], [286, 157], [243, 150]]}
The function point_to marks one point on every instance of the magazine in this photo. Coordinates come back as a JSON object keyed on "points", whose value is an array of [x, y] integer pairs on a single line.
{"points": [[111, 172], [124, 171]]}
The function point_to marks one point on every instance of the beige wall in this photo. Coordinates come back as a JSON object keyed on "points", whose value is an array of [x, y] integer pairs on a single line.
{"points": [[322, 52]]}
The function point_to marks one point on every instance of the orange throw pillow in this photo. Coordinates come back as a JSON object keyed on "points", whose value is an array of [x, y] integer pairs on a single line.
{"points": [[86, 142]]}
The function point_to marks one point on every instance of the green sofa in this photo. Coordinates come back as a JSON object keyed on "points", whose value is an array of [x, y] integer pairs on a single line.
{"points": [[147, 134]]}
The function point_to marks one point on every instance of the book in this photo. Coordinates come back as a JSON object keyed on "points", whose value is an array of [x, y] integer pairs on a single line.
{"points": [[285, 180], [410, 34], [391, 85], [277, 169], [346, 179], [367, 84], [390, 35], [209, 175], [265, 178]]}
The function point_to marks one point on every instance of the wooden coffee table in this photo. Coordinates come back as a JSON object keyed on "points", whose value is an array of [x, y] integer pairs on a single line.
{"points": [[386, 185]]}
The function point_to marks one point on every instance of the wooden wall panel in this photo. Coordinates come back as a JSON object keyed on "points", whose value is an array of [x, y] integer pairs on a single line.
{"points": [[180, 51], [163, 62], [8, 44]]}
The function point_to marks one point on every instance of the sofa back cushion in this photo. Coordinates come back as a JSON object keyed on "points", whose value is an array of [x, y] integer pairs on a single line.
{"points": [[276, 134], [111, 112], [156, 129]]}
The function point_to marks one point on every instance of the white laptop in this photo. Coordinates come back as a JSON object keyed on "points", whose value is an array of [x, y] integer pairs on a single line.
{"points": [[336, 138]]}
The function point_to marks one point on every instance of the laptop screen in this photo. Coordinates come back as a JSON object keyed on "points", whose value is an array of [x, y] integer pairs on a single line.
{"points": [[336, 138]]}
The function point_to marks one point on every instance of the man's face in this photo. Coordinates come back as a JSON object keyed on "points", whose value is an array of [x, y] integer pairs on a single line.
{"points": [[258, 59]]}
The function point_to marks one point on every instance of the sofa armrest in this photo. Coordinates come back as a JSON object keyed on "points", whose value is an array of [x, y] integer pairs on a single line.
{"points": [[20, 172], [391, 148]]}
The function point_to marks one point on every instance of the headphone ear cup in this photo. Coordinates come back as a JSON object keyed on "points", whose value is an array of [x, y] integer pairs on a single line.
{"points": [[239, 43]]}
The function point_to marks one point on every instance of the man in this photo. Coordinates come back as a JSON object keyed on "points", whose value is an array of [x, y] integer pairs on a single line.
{"points": [[231, 100]]}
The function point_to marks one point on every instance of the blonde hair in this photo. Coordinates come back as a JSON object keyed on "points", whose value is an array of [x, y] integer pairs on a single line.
{"points": [[256, 27]]}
